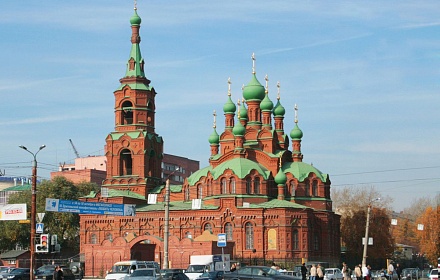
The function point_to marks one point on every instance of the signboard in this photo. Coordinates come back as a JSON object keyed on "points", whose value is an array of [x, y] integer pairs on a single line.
{"points": [[13, 212], [81, 207], [39, 228], [221, 241]]}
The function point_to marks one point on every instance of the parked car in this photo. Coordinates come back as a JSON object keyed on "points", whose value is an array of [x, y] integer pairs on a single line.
{"points": [[144, 274], [258, 273], [45, 272], [18, 274], [333, 274], [411, 273], [211, 275], [170, 270], [174, 275], [5, 270], [433, 275]]}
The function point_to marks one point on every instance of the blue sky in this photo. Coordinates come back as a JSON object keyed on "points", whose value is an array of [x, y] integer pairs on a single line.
{"points": [[365, 76]]}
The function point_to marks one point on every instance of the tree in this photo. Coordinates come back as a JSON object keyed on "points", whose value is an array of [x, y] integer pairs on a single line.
{"points": [[65, 225], [430, 236]]}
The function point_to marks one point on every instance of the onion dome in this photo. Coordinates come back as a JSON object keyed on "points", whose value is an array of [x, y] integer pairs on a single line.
{"points": [[281, 178], [243, 112], [238, 129], [266, 104], [254, 90], [296, 133], [279, 110], [229, 107], [135, 19], [214, 138]]}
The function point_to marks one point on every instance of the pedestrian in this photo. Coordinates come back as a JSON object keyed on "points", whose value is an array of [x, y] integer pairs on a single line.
{"points": [[398, 271], [233, 267], [54, 275], [274, 266], [358, 272], [345, 271], [365, 273], [320, 272], [390, 271], [313, 272], [59, 273], [304, 271]]}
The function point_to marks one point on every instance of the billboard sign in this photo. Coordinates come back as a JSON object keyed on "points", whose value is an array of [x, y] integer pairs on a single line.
{"points": [[13, 212], [81, 207]]}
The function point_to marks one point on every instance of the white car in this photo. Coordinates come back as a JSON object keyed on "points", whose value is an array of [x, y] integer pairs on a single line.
{"points": [[433, 275], [333, 274], [144, 274]]}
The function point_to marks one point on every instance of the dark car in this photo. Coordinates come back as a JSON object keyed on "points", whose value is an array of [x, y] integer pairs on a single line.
{"points": [[45, 272], [258, 273], [174, 275], [5, 270], [211, 275], [18, 274]]}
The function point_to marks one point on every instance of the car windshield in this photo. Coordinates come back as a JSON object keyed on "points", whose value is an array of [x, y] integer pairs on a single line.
{"points": [[209, 274], [434, 272], [17, 271], [120, 269], [5, 269], [143, 272], [196, 268]]}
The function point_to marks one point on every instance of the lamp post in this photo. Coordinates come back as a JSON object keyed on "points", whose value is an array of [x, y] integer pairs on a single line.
{"points": [[167, 221], [364, 256], [33, 206]]}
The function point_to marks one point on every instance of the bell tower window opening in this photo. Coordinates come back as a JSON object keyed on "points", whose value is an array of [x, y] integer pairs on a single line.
{"points": [[126, 163], [127, 113]]}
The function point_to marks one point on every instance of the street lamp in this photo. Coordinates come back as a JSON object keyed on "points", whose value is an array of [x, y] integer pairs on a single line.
{"points": [[33, 206], [167, 221], [364, 256]]}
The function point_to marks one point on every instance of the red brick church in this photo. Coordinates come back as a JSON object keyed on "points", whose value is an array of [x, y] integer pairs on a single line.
{"points": [[257, 190]]}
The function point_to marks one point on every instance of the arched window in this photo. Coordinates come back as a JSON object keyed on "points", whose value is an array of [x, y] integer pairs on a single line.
{"points": [[127, 112], [199, 191], [295, 240], [292, 188], [233, 190], [307, 188], [229, 231], [109, 236], [248, 185], [208, 226], [256, 185], [187, 193], [126, 163], [224, 186], [249, 235], [93, 239], [315, 188]]}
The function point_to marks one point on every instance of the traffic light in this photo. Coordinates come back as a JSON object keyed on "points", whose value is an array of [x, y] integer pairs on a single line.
{"points": [[43, 246]]}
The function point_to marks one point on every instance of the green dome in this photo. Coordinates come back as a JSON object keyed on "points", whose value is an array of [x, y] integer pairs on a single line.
{"points": [[229, 107], [243, 112], [279, 110], [214, 138], [281, 178], [238, 129], [296, 133], [254, 90], [135, 19], [266, 104]]}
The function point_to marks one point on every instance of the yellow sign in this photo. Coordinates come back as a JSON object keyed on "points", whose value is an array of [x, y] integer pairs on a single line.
{"points": [[24, 221]]}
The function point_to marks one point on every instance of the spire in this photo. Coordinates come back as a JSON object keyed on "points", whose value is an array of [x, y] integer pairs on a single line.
{"points": [[135, 65], [253, 63], [296, 113]]}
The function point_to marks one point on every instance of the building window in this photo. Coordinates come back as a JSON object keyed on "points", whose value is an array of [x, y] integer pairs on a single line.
{"points": [[127, 112], [248, 185], [209, 187], [109, 236], [229, 230], [223, 186], [249, 235], [208, 226], [186, 193], [307, 188], [315, 188], [126, 163], [233, 190], [316, 243], [93, 239], [188, 234], [199, 191], [256, 185], [292, 188], [295, 240]]}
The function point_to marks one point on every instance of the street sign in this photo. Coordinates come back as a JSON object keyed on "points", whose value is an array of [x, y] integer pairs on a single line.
{"points": [[39, 228], [40, 217], [221, 241], [81, 207]]}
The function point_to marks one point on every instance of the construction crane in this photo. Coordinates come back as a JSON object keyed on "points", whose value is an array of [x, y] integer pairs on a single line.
{"points": [[74, 149]]}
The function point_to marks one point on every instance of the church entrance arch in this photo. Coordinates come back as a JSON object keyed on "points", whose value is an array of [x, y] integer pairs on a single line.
{"points": [[145, 248]]}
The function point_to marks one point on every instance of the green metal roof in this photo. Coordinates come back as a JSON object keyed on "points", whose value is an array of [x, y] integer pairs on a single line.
{"points": [[136, 134], [277, 203], [174, 206], [301, 170], [135, 86], [117, 193], [18, 188], [173, 189]]}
